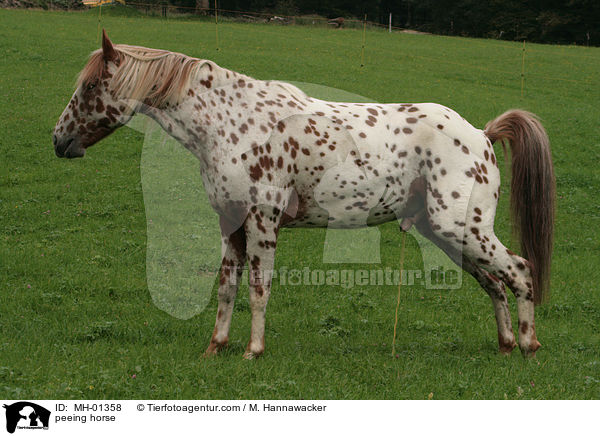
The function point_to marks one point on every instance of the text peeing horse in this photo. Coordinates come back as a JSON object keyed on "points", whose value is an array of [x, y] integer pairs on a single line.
{"points": [[273, 157]]}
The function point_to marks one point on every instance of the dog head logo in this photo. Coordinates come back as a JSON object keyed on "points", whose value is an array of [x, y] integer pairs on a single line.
{"points": [[26, 415]]}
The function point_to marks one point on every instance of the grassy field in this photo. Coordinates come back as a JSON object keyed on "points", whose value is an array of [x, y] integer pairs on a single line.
{"points": [[76, 316]]}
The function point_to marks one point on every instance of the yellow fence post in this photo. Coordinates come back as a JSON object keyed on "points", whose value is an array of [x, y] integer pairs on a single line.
{"points": [[362, 51], [99, 21], [399, 288], [523, 71], [216, 25]]}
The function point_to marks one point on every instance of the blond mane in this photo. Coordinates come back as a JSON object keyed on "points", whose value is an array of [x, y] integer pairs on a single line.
{"points": [[157, 77]]}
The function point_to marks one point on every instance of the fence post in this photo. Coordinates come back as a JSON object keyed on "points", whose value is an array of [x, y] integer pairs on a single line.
{"points": [[390, 26], [99, 23], [216, 25], [523, 71], [362, 51]]}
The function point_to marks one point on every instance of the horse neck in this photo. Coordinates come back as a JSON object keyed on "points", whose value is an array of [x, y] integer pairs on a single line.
{"points": [[182, 121], [209, 78], [222, 77]]}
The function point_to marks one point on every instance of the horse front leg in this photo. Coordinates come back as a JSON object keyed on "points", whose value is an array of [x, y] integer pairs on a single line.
{"points": [[262, 226], [233, 258]]}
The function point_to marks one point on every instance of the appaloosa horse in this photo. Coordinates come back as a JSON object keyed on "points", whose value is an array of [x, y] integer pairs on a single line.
{"points": [[273, 157]]}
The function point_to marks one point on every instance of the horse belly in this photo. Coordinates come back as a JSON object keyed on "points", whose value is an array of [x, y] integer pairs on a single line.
{"points": [[350, 198]]}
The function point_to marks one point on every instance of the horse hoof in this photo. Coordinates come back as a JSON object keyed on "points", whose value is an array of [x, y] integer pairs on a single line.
{"points": [[507, 346], [213, 349], [528, 352], [210, 352], [251, 355]]}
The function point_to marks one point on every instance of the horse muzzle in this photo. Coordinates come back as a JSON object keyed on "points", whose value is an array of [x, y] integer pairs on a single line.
{"points": [[67, 147]]}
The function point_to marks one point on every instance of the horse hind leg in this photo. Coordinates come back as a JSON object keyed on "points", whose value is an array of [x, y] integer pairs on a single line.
{"points": [[488, 253], [493, 286], [468, 226], [495, 289]]}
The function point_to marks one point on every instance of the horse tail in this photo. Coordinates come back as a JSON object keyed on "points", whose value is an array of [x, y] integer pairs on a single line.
{"points": [[532, 190]]}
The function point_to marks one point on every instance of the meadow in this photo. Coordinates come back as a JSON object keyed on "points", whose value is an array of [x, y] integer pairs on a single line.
{"points": [[76, 316]]}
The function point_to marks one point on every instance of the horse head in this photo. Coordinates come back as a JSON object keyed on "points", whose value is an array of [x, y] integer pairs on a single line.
{"points": [[94, 111]]}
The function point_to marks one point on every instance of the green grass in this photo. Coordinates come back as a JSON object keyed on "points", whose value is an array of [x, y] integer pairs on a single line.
{"points": [[77, 319]]}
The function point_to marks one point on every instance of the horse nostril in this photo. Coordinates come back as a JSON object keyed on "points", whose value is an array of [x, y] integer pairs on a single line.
{"points": [[54, 140]]}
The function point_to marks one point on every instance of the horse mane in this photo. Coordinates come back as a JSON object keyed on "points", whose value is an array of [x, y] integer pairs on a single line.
{"points": [[157, 77]]}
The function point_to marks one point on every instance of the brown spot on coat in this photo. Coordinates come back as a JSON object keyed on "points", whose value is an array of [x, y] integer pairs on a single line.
{"points": [[523, 327]]}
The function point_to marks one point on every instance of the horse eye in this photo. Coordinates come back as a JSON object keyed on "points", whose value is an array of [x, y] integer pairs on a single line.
{"points": [[91, 86]]}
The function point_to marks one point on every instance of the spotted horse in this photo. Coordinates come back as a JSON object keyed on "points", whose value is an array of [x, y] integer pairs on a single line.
{"points": [[273, 157]]}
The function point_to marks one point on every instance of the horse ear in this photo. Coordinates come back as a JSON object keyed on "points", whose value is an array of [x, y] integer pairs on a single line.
{"points": [[108, 50]]}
